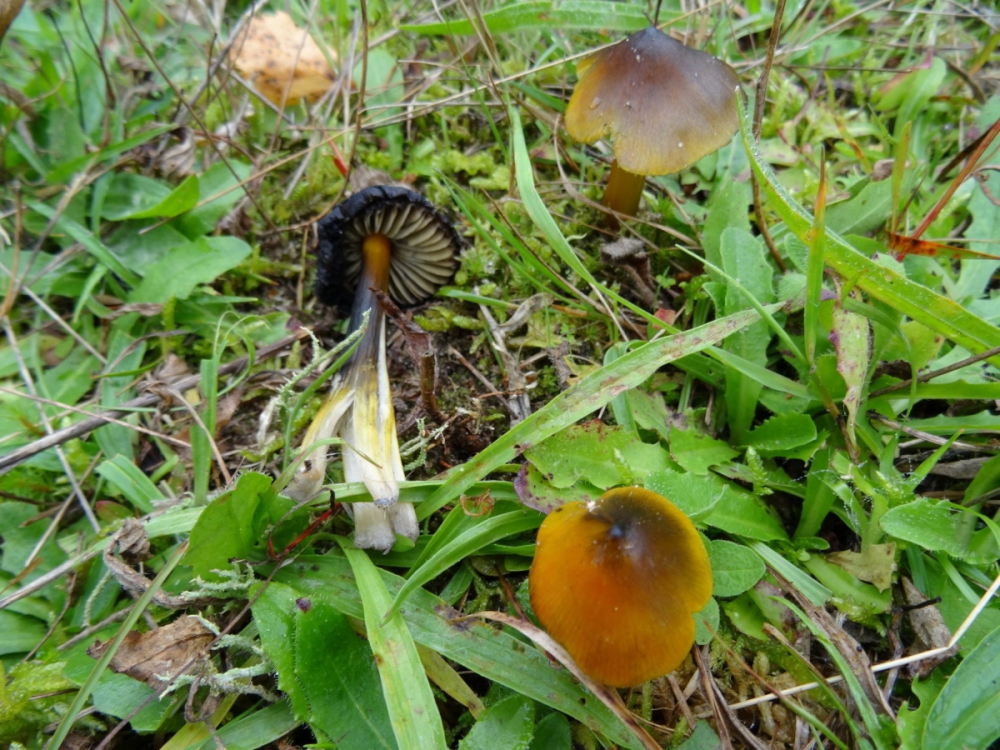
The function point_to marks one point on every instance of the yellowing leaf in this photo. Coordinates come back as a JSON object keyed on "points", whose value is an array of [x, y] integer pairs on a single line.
{"points": [[278, 57]]}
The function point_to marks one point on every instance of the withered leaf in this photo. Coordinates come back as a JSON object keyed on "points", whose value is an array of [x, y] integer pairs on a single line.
{"points": [[164, 651], [876, 564], [276, 55]]}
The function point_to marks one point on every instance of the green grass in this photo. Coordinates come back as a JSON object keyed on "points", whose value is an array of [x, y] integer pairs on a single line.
{"points": [[824, 409]]}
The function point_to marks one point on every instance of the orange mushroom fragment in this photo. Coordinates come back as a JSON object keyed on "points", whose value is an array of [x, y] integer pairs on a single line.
{"points": [[663, 105], [616, 581]]}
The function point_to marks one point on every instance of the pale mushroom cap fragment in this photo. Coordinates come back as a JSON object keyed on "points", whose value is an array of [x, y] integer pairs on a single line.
{"points": [[424, 245], [663, 105]]}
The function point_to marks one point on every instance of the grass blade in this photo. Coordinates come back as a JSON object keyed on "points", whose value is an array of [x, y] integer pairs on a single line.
{"points": [[924, 305], [412, 710], [590, 394]]}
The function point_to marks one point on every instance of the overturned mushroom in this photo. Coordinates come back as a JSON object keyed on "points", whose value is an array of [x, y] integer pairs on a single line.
{"points": [[390, 239], [663, 105]]}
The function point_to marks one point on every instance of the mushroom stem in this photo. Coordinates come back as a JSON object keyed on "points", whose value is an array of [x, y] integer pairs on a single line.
{"points": [[623, 191], [372, 454], [359, 408]]}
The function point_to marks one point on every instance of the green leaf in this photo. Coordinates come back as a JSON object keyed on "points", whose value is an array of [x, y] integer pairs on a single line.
{"points": [[880, 282], [695, 495], [604, 455], [734, 568], [743, 259], [337, 690], [739, 512], [229, 527], [934, 526], [867, 210], [255, 728], [696, 451], [703, 738], [220, 189], [412, 710], [706, 622], [781, 433], [552, 733], [186, 266], [588, 395], [86, 238], [812, 590], [18, 633], [475, 645], [134, 196], [506, 725], [131, 482], [597, 15], [911, 721], [487, 532]]}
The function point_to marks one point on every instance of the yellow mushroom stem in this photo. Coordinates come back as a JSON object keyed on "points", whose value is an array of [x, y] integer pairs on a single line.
{"points": [[623, 191]]}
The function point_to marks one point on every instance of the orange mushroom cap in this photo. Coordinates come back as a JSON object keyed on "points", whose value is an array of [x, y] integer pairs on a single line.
{"points": [[663, 105], [616, 581]]}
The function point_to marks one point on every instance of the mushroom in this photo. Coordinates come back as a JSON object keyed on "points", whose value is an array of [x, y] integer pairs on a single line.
{"points": [[616, 581], [663, 105], [393, 240]]}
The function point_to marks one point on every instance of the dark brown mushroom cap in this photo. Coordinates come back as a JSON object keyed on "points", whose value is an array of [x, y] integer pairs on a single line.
{"points": [[662, 104], [424, 245]]}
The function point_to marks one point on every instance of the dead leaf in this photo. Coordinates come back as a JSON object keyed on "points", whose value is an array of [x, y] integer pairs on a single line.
{"points": [[164, 651], [929, 627], [875, 564], [276, 55]]}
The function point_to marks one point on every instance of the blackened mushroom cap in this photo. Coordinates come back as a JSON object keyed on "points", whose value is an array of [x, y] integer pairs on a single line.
{"points": [[424, 245], [663, 105]]}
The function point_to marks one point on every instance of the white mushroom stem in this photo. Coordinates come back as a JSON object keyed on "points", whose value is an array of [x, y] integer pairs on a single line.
{"points": [[359, 410]]}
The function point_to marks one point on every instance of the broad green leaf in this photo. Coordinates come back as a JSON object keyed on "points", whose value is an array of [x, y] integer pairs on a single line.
{"points": [[603, 455], [412, 710], [703, 738], [734, 568], [125, 354], [742, 513], [695, 495], [912, 93], [874, 279], [220, 189], [134, 196], [586, 396], [868, 209], [935, 526], [535, 491], [706, 622], [200, 261], [131, 482], [781, 433], [743, 259], [552, 733], [471, 643], [546, 14], [19, 633], [911, 721], [696, 451], [508, 724], [229, 528], [337, 690]]}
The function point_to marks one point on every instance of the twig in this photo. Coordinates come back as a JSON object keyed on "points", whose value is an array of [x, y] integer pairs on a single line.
{"points": [[926, 436], [758, 117], [886, 665], [936, 373], [98, 419]]}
